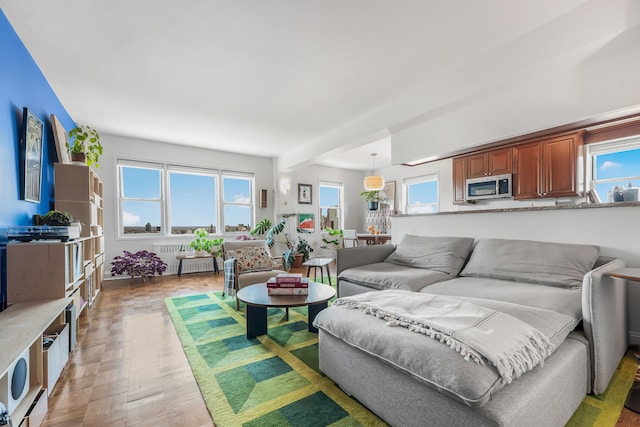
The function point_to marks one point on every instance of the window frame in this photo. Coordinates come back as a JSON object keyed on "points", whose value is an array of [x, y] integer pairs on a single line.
{"points": [[165, 170], [215, 173], [121, 197], [608, 147], [223, 204], [407, 182], [340, 187]]}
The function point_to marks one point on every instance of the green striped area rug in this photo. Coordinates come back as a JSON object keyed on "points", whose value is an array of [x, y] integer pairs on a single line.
{"points": [[274, 380]]}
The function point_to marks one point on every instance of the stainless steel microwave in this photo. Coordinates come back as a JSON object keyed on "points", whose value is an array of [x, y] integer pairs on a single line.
{"points": [[488, 187]]}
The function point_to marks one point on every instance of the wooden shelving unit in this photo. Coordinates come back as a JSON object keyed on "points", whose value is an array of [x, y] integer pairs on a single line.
{"points": [[79, 191], [22, 326], [44, 277]]}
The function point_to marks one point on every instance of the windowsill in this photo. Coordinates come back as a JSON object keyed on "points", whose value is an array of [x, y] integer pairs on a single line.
{"points": [[531, 208]]}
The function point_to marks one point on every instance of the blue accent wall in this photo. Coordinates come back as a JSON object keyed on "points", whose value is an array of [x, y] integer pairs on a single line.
{"points": [[22, 84]]}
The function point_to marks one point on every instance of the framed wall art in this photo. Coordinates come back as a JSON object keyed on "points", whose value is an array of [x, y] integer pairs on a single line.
{"points": [[60, 136], [307, 222], [304, 194], [388, 194], [31, 156]]}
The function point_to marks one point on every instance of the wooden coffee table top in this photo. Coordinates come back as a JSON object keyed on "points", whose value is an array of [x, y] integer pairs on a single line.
{"points": [[257, 295]]}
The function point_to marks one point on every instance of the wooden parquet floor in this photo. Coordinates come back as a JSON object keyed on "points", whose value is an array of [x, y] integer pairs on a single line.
{"points": [[129, 369]]}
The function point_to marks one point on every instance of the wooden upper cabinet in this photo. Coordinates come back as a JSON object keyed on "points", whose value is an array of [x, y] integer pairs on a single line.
{"points": [[500, 161], [477, 165], [547, 168], [527, 170], [494, 162], [561, 166], [459, 179]]}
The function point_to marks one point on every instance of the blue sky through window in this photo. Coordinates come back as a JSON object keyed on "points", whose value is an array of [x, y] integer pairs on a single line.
{"points": [[422, 197], [616, 166], [193, 200], [329, 196], [620, 164]]}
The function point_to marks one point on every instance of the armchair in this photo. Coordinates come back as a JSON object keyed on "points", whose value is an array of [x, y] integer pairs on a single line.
{"points": [[247, 262]]}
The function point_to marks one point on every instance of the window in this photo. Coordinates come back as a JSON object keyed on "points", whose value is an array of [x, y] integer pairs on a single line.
{"points": [[614, 163], [166, 200], [238, 204], [140, 199], [330, 202], [421, 194], [193, 203]]}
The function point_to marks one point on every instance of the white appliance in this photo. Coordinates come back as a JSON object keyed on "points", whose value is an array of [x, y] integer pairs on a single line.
{"points": [[15, 385], [489, 187]]}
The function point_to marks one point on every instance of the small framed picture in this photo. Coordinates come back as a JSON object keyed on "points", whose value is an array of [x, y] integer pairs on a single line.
{"points": [[31, 156], [60, 136], [304, 194], [306, 222]]}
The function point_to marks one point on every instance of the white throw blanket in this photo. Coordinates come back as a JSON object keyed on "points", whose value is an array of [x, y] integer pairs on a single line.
{"points": [[512, 346]]}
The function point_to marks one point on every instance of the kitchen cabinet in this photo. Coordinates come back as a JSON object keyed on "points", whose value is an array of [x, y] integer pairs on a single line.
{"points": [[459, 179], [493, 162], [547, 168]]}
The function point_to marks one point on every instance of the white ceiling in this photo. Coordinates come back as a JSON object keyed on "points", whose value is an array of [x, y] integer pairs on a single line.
{"points": [[258, 76]]}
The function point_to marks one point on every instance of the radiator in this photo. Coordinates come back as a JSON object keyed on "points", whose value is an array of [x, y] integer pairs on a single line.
{"points": [[167, 252]]}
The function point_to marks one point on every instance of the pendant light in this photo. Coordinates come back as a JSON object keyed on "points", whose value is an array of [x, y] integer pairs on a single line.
{"points": [[374, 182]]}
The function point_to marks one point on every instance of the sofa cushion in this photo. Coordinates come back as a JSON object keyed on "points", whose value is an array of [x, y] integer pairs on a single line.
{"points": [[385, 275], [555, 264], [445, 254], [251, 259], [429, 361]]}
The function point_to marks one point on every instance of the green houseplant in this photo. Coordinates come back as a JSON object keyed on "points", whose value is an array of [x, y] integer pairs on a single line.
{"points": [[85, 140], [372, 198], [332, 239], [298, 249], [202, 243]]}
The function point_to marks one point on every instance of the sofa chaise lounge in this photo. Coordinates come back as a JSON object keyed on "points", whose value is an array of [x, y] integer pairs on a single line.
{"points": [[412, 380]]}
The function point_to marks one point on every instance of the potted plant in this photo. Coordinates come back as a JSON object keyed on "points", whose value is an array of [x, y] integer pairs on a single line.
{"points": [[372, 198], [85, 146], [332, 240], [142, 263], [298, 249], [205, 246]]}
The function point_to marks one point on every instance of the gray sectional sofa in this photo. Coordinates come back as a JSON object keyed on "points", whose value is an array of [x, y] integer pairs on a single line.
{"points": [[411, 380]]}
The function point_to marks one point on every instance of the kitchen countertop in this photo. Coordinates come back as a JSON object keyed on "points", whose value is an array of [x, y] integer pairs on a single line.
{"points": [[532, 208]]}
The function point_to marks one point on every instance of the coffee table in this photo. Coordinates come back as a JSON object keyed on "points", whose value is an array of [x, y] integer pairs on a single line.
{"points": [[258, 300]]}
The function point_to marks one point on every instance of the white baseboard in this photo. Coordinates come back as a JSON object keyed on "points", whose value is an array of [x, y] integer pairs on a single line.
{"points": [[634, 338]]}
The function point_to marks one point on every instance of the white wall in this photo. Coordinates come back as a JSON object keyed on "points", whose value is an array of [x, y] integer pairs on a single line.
{"points": [[354, 206], [265, 178], [582, 65], [137, 149]]}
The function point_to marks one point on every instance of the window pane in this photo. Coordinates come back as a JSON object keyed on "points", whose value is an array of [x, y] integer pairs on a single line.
{"points": [[329, 217], [616, 165], [237, 190], [604, 189], [139, 183], [422, 197], [141, 217], [237, 218], [193, 202], [329, 196]]}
